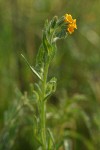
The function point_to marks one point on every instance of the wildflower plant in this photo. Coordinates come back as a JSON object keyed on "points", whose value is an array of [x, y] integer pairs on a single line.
{"points": [[54, 30]]}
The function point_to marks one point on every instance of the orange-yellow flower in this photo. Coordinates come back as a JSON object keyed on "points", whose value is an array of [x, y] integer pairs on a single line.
{"points": [[68, 18], [70, 29], [71, 23], [74, 24]]}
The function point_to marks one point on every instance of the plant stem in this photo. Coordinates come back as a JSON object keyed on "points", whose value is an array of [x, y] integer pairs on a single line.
{"points": [[43, 108]]}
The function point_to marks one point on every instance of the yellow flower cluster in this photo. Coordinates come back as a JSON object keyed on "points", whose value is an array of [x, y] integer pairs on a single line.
{"points": [[71, 23]]}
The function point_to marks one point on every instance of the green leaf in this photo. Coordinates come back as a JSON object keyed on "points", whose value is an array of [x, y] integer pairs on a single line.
{"points": [[38, 88], [40, 54], [61, 31], [35, 124], [40, 59], [35, 95], [60, 21], [48, 48], [62, 34], [32, 69], [51, 86], [53, 22], [50, 138]]}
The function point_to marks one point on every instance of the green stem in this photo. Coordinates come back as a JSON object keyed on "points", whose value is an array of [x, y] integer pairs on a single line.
{"points": [[43, 125], [43, 108]]}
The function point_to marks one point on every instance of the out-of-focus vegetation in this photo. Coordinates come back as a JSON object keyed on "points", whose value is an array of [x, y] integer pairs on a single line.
{"points": [[74, 110]]}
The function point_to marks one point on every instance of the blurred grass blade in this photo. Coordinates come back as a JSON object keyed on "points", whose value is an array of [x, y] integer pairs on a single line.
{"points": [[32, 69], [50, 140], [67, 144], [81, 138]]}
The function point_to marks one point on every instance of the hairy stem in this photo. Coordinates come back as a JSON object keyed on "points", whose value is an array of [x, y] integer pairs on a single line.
{"points": [[43, 107]]}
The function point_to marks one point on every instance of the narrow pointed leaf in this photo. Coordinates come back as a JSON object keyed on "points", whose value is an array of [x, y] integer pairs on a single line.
{"points": [[32, 69]]}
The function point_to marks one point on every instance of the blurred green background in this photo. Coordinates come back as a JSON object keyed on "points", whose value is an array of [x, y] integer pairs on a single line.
{"points": [[76, 64]]}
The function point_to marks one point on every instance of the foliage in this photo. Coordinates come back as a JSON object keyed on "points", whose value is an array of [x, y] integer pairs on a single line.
{"points": [[73, 110]]}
